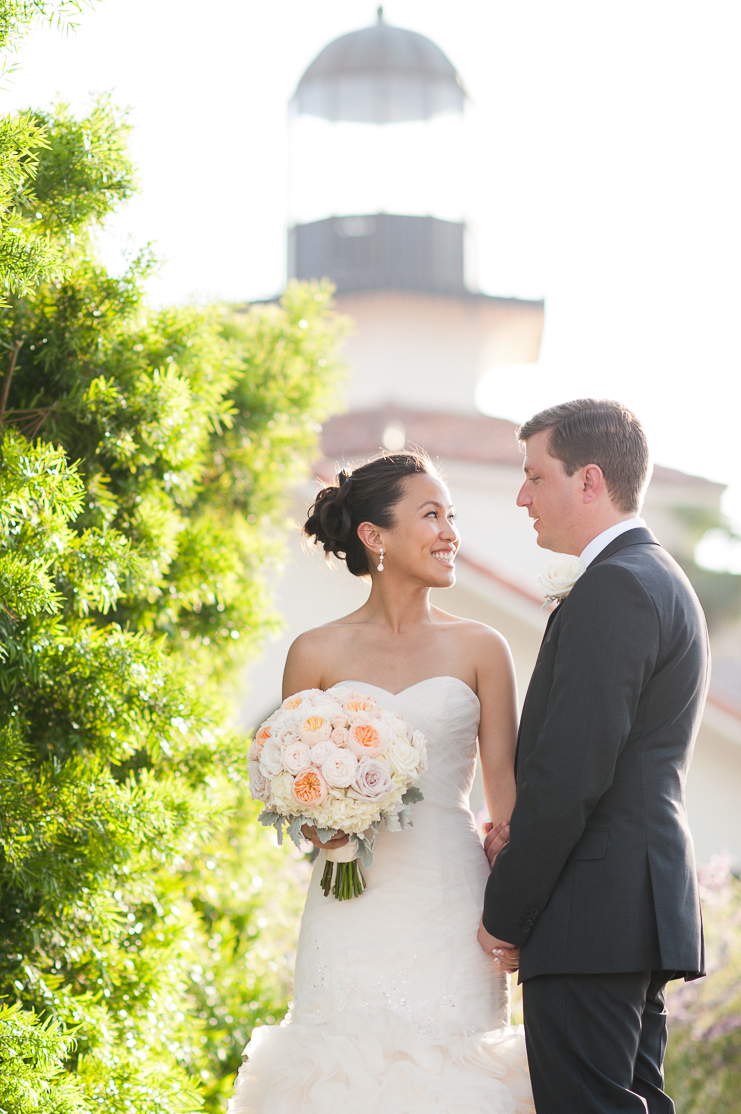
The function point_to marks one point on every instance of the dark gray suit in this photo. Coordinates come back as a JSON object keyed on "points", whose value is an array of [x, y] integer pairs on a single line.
{"points": [[599, 876]]}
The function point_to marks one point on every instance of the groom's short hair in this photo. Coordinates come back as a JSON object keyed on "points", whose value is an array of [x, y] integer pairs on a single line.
{"points": [[597, 431]]}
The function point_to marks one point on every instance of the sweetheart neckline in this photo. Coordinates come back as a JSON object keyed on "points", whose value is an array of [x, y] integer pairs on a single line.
{"points": [[424, 681]]}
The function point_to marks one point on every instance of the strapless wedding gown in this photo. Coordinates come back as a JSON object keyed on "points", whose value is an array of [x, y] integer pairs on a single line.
{"points": [[396, 1009]]}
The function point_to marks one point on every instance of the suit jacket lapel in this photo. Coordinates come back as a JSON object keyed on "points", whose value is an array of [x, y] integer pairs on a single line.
{"points": [[551, 617], [638, 536]]}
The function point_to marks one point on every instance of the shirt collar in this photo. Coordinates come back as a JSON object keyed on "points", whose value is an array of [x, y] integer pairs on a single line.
{"points": [[597, 544]]}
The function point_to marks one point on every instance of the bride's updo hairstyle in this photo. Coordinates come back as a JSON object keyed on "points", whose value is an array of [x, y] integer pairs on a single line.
{"points": [[366, 494]]}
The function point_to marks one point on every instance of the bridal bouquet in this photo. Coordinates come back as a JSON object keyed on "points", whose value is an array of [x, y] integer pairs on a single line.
{"points": [[340, 761]]}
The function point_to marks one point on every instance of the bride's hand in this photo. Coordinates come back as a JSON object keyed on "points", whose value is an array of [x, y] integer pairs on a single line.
{"points": [[332, 844], [506, 956], [496, 838]]}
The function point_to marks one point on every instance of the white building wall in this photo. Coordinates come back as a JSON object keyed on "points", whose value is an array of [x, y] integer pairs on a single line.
{"points": [[431, 350]]}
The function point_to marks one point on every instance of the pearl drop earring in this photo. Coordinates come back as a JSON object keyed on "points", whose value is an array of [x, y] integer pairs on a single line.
{"points": [[380, 563]]}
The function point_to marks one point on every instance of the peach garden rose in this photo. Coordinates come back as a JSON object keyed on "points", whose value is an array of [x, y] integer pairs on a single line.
{"points": [[309, 788]]}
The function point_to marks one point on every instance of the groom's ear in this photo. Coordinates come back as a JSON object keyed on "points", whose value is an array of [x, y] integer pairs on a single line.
{"points": [[593, 483]]}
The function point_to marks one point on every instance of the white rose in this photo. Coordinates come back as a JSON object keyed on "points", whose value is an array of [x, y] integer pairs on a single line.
{"points": [[340, 768], [271, 759], [259, 784], [321, 752], [405, 760], [419, 742], [329, 709], [287, 735], [372, 781], [394, 722], [312, 696], [296, 757], [281, 790], [558, 578]]}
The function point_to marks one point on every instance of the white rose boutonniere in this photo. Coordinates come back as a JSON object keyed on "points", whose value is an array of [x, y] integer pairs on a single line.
{"points": [[558, 578]]}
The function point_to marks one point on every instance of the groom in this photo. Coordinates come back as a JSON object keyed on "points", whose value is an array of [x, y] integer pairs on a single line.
{"points": [[597, 884]]}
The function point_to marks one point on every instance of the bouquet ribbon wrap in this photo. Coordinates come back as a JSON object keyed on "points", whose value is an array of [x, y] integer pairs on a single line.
{"points": [[346, 854]]}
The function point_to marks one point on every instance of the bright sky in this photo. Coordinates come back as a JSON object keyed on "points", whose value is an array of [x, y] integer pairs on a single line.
{"points": [[605, 176]]}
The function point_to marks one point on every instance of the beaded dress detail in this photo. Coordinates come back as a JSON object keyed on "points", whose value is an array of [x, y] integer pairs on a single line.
{"points": [[396, 1008]]}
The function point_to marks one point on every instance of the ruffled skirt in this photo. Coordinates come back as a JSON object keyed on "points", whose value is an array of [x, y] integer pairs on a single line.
{"points": [[378, 1062]]}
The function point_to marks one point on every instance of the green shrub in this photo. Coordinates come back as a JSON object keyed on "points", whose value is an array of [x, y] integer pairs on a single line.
{"points": [[146, 920], [703, 1061]]}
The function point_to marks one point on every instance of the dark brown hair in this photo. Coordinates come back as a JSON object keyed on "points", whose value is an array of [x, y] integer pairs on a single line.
{"points": [[597, 431], [365, 494]]}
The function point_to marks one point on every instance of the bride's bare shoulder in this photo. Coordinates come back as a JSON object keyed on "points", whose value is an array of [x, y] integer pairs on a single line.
{"points": [[313, 653], [470, 630]]}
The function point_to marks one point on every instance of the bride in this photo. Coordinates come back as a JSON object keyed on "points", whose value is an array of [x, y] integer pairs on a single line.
{"points": [[396, 1009]]}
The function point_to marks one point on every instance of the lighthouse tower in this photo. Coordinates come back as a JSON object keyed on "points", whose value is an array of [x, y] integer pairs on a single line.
{"points": [[377, 203]]}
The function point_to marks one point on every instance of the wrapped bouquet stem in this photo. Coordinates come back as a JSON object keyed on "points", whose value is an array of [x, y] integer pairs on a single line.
{"points": [[341, 762], [342, 863]]}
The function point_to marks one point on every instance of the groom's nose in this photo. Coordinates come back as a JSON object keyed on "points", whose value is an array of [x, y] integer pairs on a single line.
{"points": [[523, 499]]}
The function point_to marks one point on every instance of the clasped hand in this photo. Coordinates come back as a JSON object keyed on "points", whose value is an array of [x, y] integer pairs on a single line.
{"points": [[506, 956]]}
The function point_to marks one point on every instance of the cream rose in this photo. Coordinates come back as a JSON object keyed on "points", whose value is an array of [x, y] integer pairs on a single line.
{"points": [[282, 793], [259, 784], [296, 757], [339, 737], [340, 768], [419, 742], [288, 735], [405, 760], [330, 709], [372, 781], [271, 759], [321, 752], [558, 578]]}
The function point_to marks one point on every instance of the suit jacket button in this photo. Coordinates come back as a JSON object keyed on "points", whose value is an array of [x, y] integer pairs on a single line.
{"points": [[526, 928], [534, 912]]}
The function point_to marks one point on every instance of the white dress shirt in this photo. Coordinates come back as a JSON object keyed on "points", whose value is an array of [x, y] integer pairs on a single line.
{"points": [[602, 540]]}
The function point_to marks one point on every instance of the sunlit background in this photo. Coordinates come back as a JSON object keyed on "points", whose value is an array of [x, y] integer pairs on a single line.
{"points": [[602, 173], [575, 231]]}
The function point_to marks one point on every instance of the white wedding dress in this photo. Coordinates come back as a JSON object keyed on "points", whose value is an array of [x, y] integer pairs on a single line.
{"points": [[396, 1009]]}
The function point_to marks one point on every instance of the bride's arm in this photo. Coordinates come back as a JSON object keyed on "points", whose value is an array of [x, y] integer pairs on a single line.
{"points": [[497, 692], [303, 671], [304, 662]]}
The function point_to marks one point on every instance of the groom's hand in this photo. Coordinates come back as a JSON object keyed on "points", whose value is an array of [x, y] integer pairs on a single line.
{"points": [[496, 838], [506, 956]]}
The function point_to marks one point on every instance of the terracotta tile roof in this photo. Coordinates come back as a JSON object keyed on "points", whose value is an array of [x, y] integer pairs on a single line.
{"points": [[474, 437], [451, 436]]}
